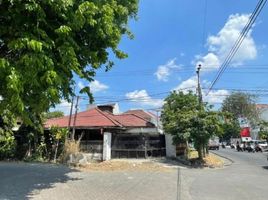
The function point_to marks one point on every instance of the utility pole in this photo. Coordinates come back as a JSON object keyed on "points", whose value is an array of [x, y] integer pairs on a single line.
{"points": [[202, 149], [70, 116], [75, 115], [71, 112], [199, 93]]}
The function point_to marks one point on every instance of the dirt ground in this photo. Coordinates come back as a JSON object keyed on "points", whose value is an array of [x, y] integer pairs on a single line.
{"points": [[211, 161], [124, 165]]}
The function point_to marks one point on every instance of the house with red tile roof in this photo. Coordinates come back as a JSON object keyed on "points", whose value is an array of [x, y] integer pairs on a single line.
{"points": [[149, 116], [129, 134]]}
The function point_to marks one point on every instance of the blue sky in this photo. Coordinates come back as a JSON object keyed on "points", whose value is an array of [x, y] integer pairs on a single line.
{"points": [[171, 38]]}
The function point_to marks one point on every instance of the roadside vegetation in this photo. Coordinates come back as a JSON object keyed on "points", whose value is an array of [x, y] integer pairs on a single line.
{"points": [[41, 53], [189, 122]]}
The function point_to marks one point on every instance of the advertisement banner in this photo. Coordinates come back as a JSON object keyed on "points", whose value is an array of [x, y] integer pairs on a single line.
{"points": [[245, 132]]}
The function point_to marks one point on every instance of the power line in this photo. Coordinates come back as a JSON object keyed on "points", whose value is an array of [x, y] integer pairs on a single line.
{"points": [[238, 42], [187, 69], [204, 22]]}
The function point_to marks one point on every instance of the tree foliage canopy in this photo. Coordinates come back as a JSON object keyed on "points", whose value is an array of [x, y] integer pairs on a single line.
{"points": [[230, 127], [178, 110], [44, 43], [53, 114], [241, 104], [263, 134], [185, 120]]}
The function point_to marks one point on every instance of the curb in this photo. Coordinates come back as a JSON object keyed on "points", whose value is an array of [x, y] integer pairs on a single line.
{"points": [[231, 161]]}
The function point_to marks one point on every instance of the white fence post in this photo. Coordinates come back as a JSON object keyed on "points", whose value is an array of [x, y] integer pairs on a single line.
{"points": [[107, 144], [170, 147]]}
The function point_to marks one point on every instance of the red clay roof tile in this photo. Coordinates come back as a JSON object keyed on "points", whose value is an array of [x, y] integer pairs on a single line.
{"points": [[97, 118]]}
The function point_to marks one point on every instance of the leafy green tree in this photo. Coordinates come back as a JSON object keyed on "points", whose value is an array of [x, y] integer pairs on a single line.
{"points": [[241, 104], [44, 44], [230, 127], [183, 118], [263, 134], [53, 114], [7, 139], [58, 135], [7, 144], [178, 110], [205, 125]]}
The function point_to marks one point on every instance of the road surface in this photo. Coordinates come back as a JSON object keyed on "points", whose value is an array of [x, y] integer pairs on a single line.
{"points": [[246, 178]]}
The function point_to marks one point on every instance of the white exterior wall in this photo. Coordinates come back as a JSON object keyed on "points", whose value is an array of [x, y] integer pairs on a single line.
{"points": [[107, 146], [170, 148]]}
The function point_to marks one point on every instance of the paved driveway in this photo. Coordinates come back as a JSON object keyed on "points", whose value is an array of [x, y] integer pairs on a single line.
{"points": [[43, 181]]}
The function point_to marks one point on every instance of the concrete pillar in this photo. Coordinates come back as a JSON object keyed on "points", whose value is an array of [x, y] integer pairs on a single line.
{"points": [[107, 146], [170, 148]]}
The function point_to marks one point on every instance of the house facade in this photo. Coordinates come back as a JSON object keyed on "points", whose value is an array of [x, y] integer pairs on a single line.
{"points": [[111, 135]]}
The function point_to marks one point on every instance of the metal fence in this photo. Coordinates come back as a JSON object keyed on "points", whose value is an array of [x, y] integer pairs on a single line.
{"points": [[91, 146], [138, 146]]}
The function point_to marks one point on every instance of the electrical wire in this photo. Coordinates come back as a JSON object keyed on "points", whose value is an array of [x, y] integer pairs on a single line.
{"points": [[238, 42]]}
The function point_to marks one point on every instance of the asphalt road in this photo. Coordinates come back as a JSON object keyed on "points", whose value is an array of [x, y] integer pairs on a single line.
{"points": [[258, 160], [246, 178]]}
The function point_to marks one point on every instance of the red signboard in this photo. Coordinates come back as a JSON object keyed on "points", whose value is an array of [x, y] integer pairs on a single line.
{"points": [[245, 132]]}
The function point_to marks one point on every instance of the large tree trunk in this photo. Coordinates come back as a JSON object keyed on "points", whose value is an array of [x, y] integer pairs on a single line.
{"points": [[200, 152], [204, 150], [207, 151], [187, 150]]}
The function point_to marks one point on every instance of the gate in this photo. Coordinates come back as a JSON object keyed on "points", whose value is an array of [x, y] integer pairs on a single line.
{"points": [[138, 146]]}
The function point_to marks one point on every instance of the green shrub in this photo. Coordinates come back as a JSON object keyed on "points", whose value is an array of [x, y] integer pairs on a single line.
{"points": [[7, 144]]}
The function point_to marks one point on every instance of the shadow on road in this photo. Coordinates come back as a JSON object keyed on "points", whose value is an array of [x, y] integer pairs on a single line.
{"points": [[265, 167], [23, 180]]}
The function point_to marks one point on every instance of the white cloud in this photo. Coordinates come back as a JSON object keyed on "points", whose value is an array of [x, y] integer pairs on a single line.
{"points": [[190, 84], [95, 86], [216, 96], [219, 45], [164, 71], [187, 85], [80, 85], [209, 62], [64, 107], [142, 98]]}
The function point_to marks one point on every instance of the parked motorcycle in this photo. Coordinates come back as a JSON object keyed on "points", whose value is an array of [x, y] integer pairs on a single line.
{"points": [[258, 149], [250, 148], [238, 148]]}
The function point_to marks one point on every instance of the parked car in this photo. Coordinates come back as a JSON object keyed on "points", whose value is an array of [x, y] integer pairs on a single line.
{"points": [[214, 144], [261, 145]]}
